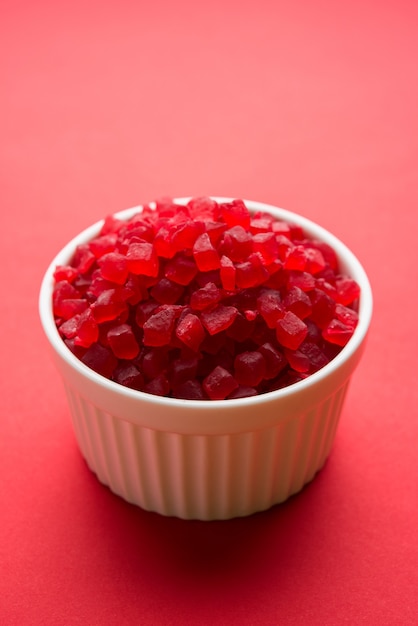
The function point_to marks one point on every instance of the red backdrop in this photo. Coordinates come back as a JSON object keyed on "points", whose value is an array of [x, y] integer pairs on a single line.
{"points": [[307, 105]]}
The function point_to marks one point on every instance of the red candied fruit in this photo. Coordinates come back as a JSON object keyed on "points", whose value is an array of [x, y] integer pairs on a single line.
{"points": [[182, 370], [347, 290], [251, 273], [166, 292], [103, 245], [270, 307], [298, 302], [122, 341], [337, 332], [205, 297], [235, 213], [218, 319], [158, 386], [267, 247], [65, 273], [204, 301], [227, 273], [87, 331], [219, 383], [204, 253], [128, 375], [114, 267], [185, 235], [100, 359], [190, 331], [249, 368], [159, 327], [181, 269], [237, 244], [153, 362], [290, 331], [107, 307], [274, 359], [142, 259], [72, 306], [190, 390]]}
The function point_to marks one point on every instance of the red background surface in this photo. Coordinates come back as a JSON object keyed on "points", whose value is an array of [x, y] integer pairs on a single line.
{"points": [[307, 105]]}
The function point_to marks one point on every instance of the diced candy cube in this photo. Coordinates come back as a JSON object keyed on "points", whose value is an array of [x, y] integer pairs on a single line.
{"points": [[123, 342], [181, 370], [237, 244], [108, 306], [274, 359], [337, 332], [303, 280], [103, 244], [298, 361], [63, 290], [243, 392], [181, 269], [165, 291], [323, 308], [158, 386], [100, 359], [128, 375], [70, 307], [87, 329], [251, 273], [219, 383], [202, 208], [298, 302], [207, 296], [267, 247], [270, 306], [347, 290], [84, 259], [242, 328], [317, 357], [227, 273], [114, 267], [190, 390], [184, 235], [205, 255], [190, 331], [65, 273], [290, 331], [218, 319], [315, 261], [348, 316], [153, 362], [235, 213], [159, 327], [142, 259], [249, 368]]}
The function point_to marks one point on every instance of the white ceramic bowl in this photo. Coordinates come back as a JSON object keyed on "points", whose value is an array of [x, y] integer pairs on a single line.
{"points": [[207, 459]]}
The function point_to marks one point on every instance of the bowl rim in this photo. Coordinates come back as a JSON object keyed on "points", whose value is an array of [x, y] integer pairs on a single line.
{"points": [[348, 261]]}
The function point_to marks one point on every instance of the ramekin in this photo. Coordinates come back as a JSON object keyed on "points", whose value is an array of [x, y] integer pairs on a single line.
{"points": [[207, 460]]}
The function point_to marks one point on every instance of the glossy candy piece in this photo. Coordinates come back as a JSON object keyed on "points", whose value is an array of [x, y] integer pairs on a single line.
{"points": [[122, 342], [114, 267], [159, 327], [190, 331], [142, 259], [219, 383], [290, 330], [249, 368], [205, 254]]}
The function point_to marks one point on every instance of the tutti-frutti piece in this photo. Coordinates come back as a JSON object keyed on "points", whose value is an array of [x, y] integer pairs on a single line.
{"points": [[205, 301]]}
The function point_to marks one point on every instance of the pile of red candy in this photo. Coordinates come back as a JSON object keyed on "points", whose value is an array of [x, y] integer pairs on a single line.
{"points": [[204, 301]]}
